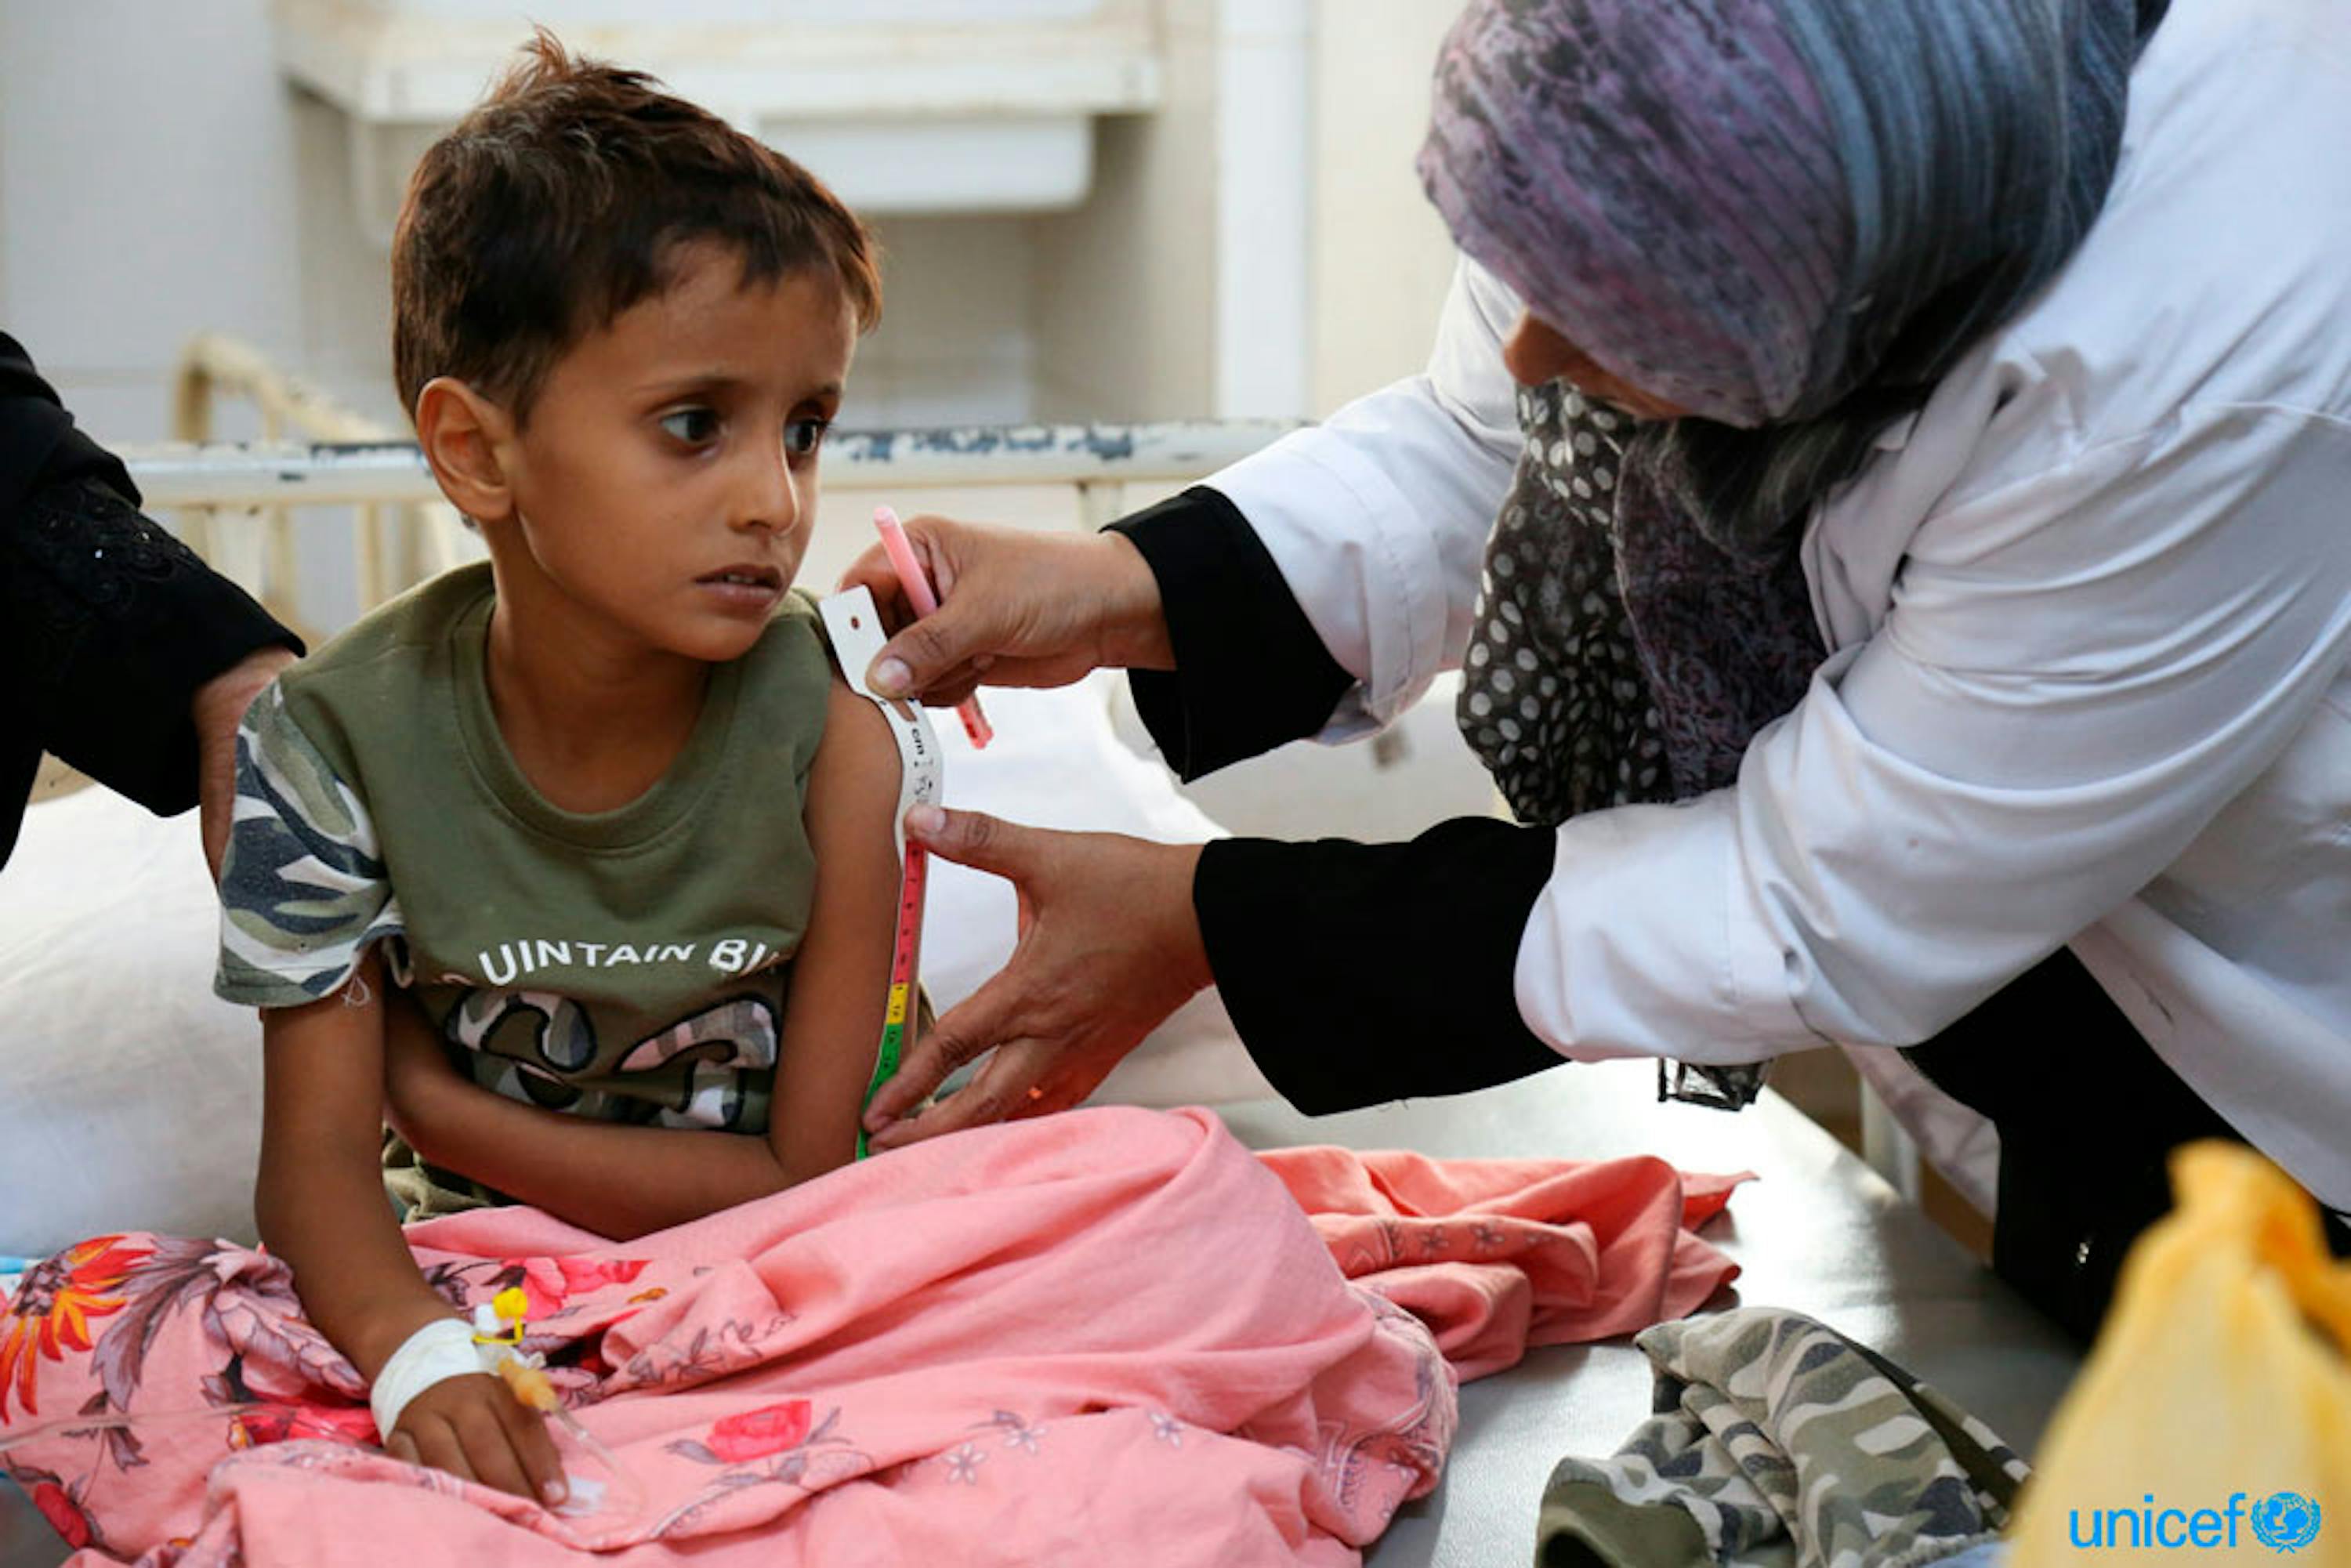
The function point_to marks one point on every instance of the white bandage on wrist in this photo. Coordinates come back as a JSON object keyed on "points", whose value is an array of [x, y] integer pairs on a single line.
{"points": [[441, 1350]]}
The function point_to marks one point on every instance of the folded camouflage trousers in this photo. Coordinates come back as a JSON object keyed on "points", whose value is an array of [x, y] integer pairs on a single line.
{"points": [[1779, 1443]]}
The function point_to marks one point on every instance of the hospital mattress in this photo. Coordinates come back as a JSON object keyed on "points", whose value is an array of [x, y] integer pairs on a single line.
{"points": [[1820, 1232]]}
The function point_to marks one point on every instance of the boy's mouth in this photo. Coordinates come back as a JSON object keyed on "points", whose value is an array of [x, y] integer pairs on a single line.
{"points": [[744, 589], [766, 577]]}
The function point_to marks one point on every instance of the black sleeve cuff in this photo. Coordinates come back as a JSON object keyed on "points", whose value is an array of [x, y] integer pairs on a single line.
{"points": [[1362, 973], [1250, 672]]}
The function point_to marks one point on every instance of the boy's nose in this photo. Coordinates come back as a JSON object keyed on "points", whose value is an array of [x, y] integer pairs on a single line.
{"points": [[767, 497]]}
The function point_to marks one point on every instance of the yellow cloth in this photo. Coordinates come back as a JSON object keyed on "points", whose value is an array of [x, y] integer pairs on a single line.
{"points": [[2223, 1369]]}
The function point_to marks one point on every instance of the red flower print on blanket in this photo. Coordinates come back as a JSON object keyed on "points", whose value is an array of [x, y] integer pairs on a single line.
{"points": [[755, 1434], [64, 1515], [52, 1312], [549, 1282]]}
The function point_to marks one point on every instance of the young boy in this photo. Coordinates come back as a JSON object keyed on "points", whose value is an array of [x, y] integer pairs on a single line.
{"points": [[600, 811]]}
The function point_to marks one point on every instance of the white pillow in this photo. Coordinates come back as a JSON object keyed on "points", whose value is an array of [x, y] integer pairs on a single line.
{"points": [[131, 1095]]}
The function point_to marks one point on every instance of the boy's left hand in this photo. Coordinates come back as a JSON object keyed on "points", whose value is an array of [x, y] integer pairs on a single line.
{"points": [[415, 1068]]}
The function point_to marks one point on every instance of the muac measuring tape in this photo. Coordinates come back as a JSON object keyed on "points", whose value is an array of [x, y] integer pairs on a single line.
{"points": [[850, 621]]}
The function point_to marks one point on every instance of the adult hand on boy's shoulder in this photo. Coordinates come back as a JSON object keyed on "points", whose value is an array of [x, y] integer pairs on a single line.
{"points": [[1019, 607], [218, 708]]}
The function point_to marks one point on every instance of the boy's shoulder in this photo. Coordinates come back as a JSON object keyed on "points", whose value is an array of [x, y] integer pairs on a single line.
{"points": [[788, 678], [388, 679], [794, 649], [390, 659], [411, 628]]}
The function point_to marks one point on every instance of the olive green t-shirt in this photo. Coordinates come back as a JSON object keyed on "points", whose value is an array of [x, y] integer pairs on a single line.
{"points": [[627, 965]]}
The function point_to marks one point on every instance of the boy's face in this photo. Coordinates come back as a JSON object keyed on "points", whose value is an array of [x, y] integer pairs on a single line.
{"points": [[667, 478]]}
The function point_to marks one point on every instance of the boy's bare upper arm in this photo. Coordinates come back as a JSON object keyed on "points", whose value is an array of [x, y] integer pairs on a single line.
{"points": [[853, 789], [322, 1066], [841, 976]]}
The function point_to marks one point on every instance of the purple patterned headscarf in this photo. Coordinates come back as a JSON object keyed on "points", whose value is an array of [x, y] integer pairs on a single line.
{"points": [[1789, 217], [1658, 181]]}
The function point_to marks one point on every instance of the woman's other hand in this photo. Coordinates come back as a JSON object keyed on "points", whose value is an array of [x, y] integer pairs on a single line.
{"points": [[218, 708], [1109, 947], [1018, 607]]}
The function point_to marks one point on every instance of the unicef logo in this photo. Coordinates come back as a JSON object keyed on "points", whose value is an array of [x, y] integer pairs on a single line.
{"points": [[2285, 1521]]}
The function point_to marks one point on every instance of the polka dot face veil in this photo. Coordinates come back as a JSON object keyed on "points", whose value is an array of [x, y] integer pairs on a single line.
{"points": [[1553, 698]]}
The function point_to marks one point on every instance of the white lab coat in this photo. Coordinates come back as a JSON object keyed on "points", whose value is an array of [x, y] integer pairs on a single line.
{"points": [[2089, 615]]}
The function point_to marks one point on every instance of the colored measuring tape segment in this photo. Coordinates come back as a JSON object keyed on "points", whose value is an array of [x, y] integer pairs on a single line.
{"points": [[857, 633]]}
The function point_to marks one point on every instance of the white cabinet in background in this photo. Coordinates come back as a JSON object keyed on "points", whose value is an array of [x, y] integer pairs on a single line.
{"points": [[1089, 209], [930, 106]]}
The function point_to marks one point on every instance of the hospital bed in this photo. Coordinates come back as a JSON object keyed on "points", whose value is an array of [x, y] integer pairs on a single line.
{"points": [[1820, 1232]]}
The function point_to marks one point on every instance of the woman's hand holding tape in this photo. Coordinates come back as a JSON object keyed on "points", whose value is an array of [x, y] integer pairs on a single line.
{"points": [[1109, 944], [1108, 948], [1017, 608]]}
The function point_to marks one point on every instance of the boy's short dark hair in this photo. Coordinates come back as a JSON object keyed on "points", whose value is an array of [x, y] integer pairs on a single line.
{"points": [[560, 200]]}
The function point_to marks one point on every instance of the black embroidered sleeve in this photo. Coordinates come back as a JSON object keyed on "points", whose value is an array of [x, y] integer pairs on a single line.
{"points": [[1250, 672], [39, 444], [108, 625]]}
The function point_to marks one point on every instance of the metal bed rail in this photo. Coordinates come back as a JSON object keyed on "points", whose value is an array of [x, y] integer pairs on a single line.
{"points": [[279, 472], [232, 502]]}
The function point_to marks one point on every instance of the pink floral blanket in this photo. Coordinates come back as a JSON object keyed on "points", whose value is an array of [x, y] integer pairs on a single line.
{"points": [[1496, 1255], [1108, 1333]]}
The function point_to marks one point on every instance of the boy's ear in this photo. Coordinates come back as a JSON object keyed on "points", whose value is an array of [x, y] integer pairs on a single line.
{"points": [[468, 441]]}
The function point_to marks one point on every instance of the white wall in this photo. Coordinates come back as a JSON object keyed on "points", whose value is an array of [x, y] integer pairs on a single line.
{"points": [[1381, 255], [1125, 285], [151, 176], [158, 177], [957, 343]]}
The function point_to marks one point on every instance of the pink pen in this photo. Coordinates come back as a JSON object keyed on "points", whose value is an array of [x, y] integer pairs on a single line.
{"points": [[917, 584]]}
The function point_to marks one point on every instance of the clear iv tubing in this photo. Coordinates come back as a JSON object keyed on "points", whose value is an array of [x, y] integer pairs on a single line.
{"points": [[128, 1418], [627, 1496], [532, 1391]]}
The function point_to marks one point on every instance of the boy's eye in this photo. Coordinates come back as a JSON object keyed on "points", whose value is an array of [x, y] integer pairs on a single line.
{"points": [[802, 437], [692, 425]]}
